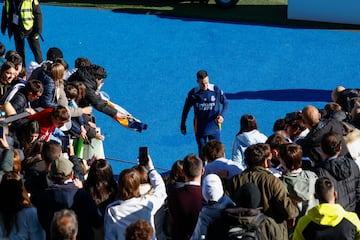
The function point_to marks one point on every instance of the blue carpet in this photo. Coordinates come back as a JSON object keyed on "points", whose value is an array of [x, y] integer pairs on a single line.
{"points": [[151, 63]]}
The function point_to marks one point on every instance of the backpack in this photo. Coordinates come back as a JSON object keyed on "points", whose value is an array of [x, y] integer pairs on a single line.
{"points": [[250, 231]]}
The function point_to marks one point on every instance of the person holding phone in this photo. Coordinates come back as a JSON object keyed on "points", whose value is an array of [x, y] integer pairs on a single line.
{"points": [[131, 206], [143, 156]]}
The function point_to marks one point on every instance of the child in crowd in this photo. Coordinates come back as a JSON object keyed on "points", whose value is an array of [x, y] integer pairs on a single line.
{"points": [[299, 183]]}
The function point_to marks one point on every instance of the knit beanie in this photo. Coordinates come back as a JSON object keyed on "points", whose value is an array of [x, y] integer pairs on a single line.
{"points": [[248, 196]]}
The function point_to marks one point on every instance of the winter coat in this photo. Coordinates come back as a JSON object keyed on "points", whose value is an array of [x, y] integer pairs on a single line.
{"points": [[328, 221], [311, 143], [269, 229], [275, 201], [209, 214], [46, 100], [345, 175]]}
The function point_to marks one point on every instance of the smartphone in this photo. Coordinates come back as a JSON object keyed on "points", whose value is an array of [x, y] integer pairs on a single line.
{"points": [[143, 156], [65, 141], [90, 160], [1, 131]]}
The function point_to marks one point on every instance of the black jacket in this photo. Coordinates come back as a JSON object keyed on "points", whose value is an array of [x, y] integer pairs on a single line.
{"points": [[269, 229], [85, 75], [20, 101], [345, 175], [311, 144]]}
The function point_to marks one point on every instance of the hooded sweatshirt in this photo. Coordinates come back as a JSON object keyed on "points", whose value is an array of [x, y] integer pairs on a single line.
{"points": [[301, 186], [328, 221], [244, 140]]}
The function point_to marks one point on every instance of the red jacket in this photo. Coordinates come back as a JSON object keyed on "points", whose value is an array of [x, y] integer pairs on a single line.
{"points": [[45, 123]]}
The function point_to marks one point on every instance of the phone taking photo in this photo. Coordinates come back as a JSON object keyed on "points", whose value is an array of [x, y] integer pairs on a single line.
{"points": [[65, 141], [143, 156]]}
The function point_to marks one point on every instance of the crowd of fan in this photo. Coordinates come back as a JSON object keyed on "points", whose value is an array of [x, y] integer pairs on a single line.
{"points": [[302, 182]]}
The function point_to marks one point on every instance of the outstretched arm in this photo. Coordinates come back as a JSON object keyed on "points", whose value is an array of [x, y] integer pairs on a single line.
{"points": [[100, 104]]}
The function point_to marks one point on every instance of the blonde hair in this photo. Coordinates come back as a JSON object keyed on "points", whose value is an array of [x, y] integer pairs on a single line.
{"points": [[57, 72], [17, 162], [128, 184]]}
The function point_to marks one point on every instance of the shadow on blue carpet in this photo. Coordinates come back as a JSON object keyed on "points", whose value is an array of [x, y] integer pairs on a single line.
{"points": [[297, 95]]}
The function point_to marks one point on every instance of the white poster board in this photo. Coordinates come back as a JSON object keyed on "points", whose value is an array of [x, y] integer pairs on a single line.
{"points": [[335, 11]]}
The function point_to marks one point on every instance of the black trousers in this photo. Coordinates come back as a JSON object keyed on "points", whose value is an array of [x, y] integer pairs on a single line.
{"points": [[34, 44]]}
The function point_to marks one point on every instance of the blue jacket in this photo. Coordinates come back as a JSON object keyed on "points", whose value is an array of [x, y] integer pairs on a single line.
{"points": [[47, 98], [209, 214], [26, 226]]}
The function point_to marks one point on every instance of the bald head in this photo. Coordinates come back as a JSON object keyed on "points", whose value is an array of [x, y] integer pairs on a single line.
{"points": [[355, 114], [311, 116], [335, 93]]}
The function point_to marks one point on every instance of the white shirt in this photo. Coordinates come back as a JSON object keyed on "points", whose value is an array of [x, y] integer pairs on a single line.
{"points": [[120, 214]]}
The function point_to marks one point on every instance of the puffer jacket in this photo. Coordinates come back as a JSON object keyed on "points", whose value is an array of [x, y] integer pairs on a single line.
{"points": [[345, 175], [46, 100]]}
